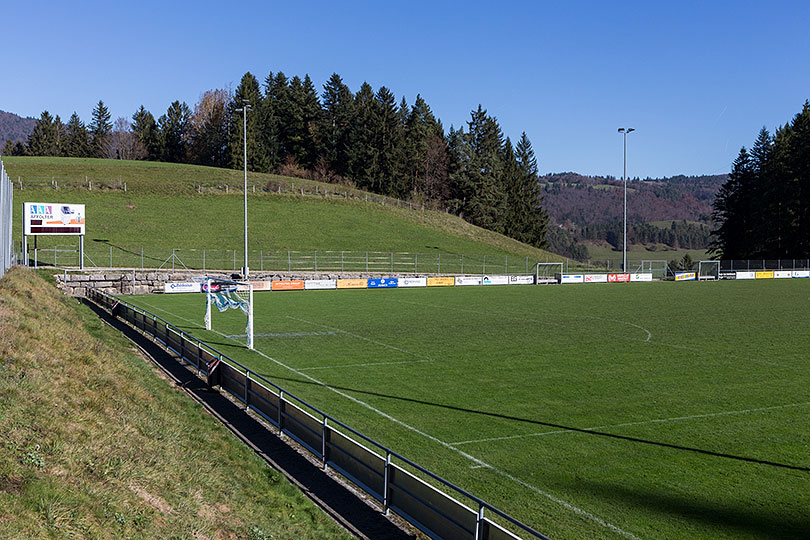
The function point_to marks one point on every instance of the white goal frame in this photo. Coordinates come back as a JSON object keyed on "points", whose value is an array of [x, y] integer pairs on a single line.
{"points": [[239, 295], [545, 271], [708, 270]]}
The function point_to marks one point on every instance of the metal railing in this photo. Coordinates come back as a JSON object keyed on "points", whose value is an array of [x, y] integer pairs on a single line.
{"points": [[396, 482], [7, 258]]}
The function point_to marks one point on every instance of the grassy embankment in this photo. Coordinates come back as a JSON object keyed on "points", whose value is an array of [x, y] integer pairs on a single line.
{"points": [[96, 446], [162, 209]]}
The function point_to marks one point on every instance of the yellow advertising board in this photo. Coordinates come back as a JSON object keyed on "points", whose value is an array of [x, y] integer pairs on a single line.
{"points": [[441, 281], [354, 283], [764, 275]]}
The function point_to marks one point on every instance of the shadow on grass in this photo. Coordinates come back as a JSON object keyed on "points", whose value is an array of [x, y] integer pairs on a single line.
{"points": [[745, 520], [591, 432]]}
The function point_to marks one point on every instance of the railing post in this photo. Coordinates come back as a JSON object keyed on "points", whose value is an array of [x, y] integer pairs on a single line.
{"points": [[479, 523], [247, 389], [324, 428], [280, 418], [387, 483]]}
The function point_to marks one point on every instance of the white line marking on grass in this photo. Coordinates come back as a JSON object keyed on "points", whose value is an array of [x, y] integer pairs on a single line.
{"points": [[367, 364], [639, 423], [481, 464], [286, 334]]}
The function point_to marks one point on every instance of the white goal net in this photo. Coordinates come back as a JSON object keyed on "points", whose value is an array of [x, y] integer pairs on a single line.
{"points": [[708, 270], [224, 295], [547, 272]]}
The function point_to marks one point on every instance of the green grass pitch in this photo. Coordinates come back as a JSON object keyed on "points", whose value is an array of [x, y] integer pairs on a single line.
{"points": [[663, 410]]}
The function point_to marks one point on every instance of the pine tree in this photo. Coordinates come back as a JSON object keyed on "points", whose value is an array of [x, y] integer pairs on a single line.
{"points": [[77, 142], [146, 129], [173, 128], [361, 151], [99, 128], [44, 139], [732, 211], [533, 218], [386, 174], [336, 121], [246, 93]]}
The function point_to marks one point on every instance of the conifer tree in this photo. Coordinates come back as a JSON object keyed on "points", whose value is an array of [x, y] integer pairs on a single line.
{"points": [[77, 139], [44, 139], [146, 129], [173, 128], [361, 150], [100, 127], [386, 173], [336, 121], [246, 93]]}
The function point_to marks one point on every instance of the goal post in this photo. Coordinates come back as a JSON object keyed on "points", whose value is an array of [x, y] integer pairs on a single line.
{"points": [[547, 272], [225, 294], [708, 270]]}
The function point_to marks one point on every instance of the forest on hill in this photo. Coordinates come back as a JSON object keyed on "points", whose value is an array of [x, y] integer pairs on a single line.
{"points": [[14, 127]]}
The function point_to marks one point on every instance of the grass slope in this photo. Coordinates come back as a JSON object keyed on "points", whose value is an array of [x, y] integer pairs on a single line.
{"points": [[96, 446], [663, 410], [161, 210]]}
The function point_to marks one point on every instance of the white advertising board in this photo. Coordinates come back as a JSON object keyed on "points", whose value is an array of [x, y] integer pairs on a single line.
{"points": [[782, 274], [595, 278], [801, 273], [320, 284], [468, 280], [641, 277], [572, 278], [496, 280], [182, 286], [746, 275], [53, 218], [521, 280], [412, 282]]}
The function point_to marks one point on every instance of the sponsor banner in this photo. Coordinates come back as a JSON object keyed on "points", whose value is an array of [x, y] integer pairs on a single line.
{"points": [[521, 280], [468, 280], [746, 275], [183, 286], [685, 276], [548, 280], [801, 273], [442, 281], [767, 274], [313, 284], [382, 283], [728, 275], [412, 282], [782, 274], [595, 278], [352, 283], [645, 276], [288, 285], [618, 278], [53, 218], [495, 280], [261, 285], [572, 278]]}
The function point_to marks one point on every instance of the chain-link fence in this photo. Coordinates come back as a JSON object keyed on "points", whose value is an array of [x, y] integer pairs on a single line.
{"points": [[6, 206]]}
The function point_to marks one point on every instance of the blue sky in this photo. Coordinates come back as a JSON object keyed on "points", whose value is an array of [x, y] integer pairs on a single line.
{"points": [[696, 79]]}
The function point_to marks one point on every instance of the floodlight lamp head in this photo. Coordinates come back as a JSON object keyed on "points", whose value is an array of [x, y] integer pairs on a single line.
{"points": [[630, 130]]}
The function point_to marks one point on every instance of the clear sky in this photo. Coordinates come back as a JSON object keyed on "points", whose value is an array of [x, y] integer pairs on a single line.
{"points": [[696, 79]]}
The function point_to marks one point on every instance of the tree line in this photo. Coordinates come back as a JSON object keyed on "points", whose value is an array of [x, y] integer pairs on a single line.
{"points": [[367, 138], [763, 210]]}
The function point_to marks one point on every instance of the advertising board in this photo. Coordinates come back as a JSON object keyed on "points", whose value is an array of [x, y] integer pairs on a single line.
{"points": [[572, 278], [547, 280], [382, 283], [352, 283], [261, 285], [182, 286], [441, 281], [746, 275], [521, 280], [764, 274], [645, 276], [618, 278], [412, 282], [782, 274], [288, 285], [685, 276], [495, 280], [53, 218], [801, 273], [468, 280], [728, 275], [595, 278], [320, 284]]}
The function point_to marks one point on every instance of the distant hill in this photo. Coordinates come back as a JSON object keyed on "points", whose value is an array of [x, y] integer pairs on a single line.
{"points": [[15, 127], [571, 198]]}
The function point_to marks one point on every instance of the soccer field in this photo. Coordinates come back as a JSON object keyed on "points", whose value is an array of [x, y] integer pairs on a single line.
{"points": [[663, 410]]}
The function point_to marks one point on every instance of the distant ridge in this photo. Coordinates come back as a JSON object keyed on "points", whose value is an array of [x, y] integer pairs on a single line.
{"points": [[15, 127]]}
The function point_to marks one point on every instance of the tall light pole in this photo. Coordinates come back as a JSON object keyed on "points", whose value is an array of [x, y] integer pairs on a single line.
{"points": [[245, 108], [624, 132]]}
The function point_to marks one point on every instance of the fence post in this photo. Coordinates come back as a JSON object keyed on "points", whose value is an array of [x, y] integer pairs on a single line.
{"points": [[110, 256], [439, 264], [261, 261], [203, 259], [386, 482], [172, 259], [315, 260], [280, 416], [392, 261], [484, 267], [366, 261], [479, 523], [415, 263], [141, 259], [323, 443], [289, 262], [247, 389]]}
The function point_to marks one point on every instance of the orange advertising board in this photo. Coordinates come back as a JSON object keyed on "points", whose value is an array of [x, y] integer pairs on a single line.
{"points": [[441, 281], [288, 285], [353, 283]]}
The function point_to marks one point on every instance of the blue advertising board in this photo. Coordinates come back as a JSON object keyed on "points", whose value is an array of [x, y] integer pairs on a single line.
{"points": [[382, 283]]}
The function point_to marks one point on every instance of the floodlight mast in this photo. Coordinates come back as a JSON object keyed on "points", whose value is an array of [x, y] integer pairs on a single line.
{"points": [[244, 109], [624, 132]]}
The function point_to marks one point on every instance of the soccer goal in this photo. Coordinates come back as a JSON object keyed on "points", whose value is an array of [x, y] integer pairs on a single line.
{"points": [[547, 272], [708, 270], [225, 294]]}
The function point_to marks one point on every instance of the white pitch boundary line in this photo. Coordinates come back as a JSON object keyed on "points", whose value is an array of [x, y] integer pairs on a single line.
{"points": [[514, 318], [639, 423], [368, 364], [568, 506]]}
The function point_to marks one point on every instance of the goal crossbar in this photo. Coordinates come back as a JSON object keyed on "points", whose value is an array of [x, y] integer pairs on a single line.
{"points": [[225, 294]]}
